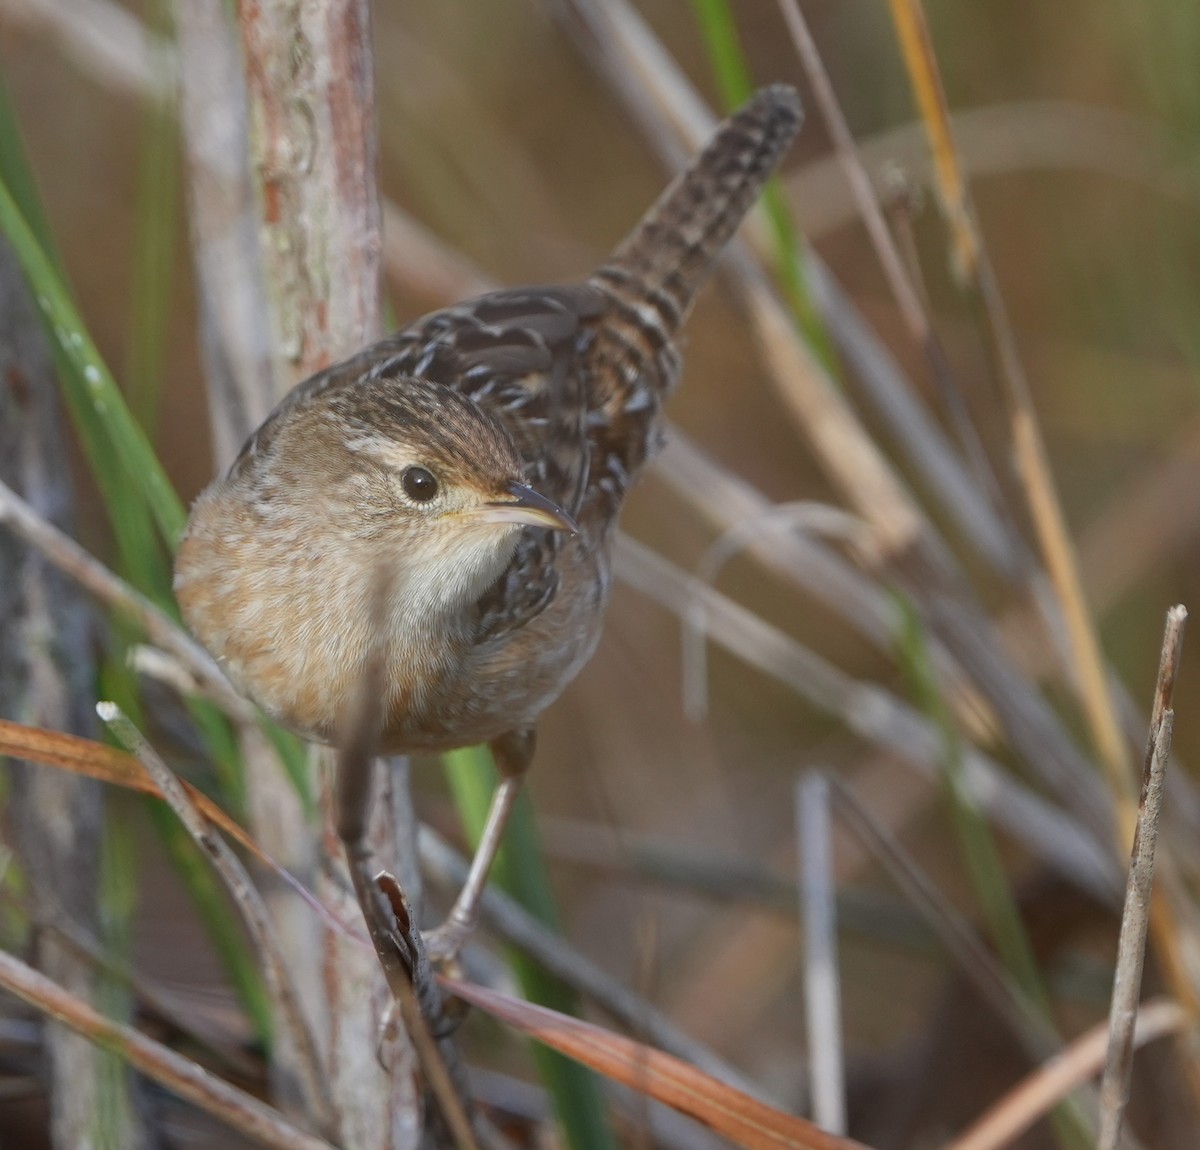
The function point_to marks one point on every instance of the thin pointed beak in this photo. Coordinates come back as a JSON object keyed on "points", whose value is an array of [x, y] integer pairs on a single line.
{"points": [[529, 508]]}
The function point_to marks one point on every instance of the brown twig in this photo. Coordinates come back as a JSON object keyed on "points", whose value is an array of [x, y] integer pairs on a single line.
{"points": [[246, 898], [180, 1075], [1135, 921]]}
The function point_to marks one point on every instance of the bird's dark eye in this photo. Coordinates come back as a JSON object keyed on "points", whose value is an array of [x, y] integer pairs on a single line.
{"points": [[419, 484]]}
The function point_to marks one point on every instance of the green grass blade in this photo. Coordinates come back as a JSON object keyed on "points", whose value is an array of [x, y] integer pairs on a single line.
{"points": [[521, 872], [118, 889], [92, 393]]}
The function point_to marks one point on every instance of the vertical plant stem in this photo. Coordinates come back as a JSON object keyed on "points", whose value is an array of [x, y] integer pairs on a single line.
{"points": [[1135, 920], [309, 82], [822, 989]]}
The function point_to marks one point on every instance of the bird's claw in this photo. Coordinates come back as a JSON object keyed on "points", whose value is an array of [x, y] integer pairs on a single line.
{"points": [[444, 944]]}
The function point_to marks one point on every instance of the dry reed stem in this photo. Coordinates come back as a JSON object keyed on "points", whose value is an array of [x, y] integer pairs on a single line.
{"points": [[245, 896], [180, 1075], [310, 82], [1135, 921]]}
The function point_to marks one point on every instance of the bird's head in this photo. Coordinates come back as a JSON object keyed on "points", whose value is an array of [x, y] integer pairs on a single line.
{"points": [[420, 474]]}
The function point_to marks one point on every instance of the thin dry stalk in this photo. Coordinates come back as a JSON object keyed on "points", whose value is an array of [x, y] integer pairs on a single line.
{"points": [[275, 965], [1038, 1094], [1033, 466], [908, 297], [822, 985], [180, 1075], [1135, 921]]}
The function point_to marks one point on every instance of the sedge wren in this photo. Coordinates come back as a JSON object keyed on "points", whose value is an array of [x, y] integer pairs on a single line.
{"points": [[478, 460]]}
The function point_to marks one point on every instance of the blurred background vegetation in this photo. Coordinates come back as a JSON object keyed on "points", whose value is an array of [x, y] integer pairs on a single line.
{"points": [[1078, 124]]}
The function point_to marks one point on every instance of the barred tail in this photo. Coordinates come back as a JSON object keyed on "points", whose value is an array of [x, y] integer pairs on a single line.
{"points": [[668, 256]]}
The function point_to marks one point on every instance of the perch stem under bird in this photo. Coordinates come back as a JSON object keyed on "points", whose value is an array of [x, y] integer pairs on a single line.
{"points": [[479, 459]]}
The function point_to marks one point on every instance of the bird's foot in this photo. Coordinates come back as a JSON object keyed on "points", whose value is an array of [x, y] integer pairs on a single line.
{"points": [[444, 943]]}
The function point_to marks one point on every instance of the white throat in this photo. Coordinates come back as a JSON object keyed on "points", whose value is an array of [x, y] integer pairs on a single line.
{"points": [[445, 581]]}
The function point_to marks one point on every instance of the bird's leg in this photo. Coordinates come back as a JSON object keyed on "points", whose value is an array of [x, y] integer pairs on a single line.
{"points": [[512, 753]]}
